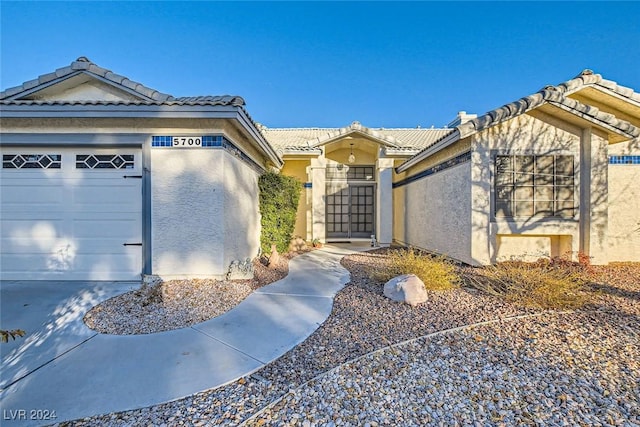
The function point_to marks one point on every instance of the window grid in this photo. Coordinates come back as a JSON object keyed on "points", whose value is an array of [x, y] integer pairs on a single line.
{"points": [[528, 186], [350, 210], [338, 211], [362, 209], [344, 172], [31, 161], [104, 161]]}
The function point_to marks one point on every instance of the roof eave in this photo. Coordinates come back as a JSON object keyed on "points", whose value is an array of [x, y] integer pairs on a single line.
{"points": [[607, 122], [400, 152], [137, 110], [252, 129], [446, 141], [355, 128], [299, 153]]}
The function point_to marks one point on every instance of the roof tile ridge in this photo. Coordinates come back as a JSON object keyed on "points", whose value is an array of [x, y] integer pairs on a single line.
{"points": [[608, 118], [300, 128], [411, 128]]}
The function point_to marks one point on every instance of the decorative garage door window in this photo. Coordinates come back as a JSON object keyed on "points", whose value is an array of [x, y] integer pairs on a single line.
{"points": [[104, 161], [529, 186], [31, 161]]}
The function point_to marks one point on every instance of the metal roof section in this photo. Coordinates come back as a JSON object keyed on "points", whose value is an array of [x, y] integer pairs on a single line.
{"points": [[550, 95]]}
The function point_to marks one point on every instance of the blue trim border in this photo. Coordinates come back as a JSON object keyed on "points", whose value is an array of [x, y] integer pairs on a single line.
{"points": [[462, 158], [211, 141], [624, 160], [307, 185]]}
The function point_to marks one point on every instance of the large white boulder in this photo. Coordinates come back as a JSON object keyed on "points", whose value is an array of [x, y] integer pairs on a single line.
{"points": [[407, 288]]}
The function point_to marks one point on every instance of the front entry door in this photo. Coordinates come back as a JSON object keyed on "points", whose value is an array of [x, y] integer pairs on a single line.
{"points": [[350, 210]]}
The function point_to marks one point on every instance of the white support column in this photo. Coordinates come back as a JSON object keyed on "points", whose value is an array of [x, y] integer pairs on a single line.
{"points": [[594, 197], [384, 201], [318, 207]]}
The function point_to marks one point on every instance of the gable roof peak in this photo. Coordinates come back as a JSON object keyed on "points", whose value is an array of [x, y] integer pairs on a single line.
{"points": [[83, 65]]}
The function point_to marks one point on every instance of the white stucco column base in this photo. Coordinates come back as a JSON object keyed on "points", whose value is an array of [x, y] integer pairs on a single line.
{"points": [[318, 189], [204, 212], [384, 201], [594, 197]]}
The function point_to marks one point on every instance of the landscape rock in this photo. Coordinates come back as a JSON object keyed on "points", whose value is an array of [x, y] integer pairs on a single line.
{"points": [[297, 244], [407, 288], [240, 270], [274, 258]]}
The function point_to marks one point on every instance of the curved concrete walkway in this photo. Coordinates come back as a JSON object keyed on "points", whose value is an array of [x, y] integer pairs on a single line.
{"points": [[63, 366]]}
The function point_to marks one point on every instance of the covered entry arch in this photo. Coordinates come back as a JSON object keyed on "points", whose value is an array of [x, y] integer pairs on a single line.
{"points": [[343, 199]]}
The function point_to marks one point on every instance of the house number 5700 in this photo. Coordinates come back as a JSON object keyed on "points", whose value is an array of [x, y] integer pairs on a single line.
{"points": [[187, 141]]}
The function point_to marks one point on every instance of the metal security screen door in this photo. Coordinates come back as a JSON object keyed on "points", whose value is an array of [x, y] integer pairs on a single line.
{"points": [[350, 210]]}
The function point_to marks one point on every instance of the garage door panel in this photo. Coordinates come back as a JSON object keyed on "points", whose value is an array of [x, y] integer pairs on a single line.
{"points": [[42, 245], [105, 192], [122, 229], [106, 263], [30, 229], [31, 194], [105, 268], [70, 223], [36, 262]]}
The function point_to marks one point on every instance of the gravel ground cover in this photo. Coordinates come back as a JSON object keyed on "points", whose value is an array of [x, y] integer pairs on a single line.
{"points": [[179, 303], [545, 369]]}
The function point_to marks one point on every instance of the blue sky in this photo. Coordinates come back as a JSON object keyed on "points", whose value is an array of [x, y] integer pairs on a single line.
{"points": [[327, 64]]}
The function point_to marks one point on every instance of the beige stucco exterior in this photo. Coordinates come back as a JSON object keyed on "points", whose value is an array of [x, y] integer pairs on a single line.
{"points": [[311, 169], [188, 203], [429, 215], [431, 188], [451, 211], [529, 135], [299, 169], [200, 205], [624, 205]]}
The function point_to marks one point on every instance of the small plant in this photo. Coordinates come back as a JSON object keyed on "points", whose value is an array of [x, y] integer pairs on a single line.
{"points": [[279, 196], [437, 273], [316, 243], [555, 283], [13, 334]]}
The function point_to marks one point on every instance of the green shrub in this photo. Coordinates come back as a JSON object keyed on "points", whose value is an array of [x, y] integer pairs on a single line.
{"points": [[542, 284], [279, 196], [437, 273]]}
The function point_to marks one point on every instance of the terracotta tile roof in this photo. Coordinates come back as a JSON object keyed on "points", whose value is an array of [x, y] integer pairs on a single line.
{"points": [[211, 100], [589, 78], [397, 139], [549, 95], [553, 95], [146, 95]]}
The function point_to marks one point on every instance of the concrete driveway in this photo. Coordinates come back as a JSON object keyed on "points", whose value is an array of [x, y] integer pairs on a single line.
{"points": [[64, 367]]}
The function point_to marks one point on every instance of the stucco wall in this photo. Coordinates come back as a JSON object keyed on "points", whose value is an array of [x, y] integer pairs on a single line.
{"points": [[523, 135], [187, 198], [624, 206], [241, 211], [437, 213], [298, 169]]}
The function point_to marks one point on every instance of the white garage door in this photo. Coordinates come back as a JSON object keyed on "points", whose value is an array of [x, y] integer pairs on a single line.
{"points": [[67, 213]]}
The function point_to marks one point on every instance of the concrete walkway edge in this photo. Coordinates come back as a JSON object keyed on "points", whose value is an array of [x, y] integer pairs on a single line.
{"points": [[112, 373]]}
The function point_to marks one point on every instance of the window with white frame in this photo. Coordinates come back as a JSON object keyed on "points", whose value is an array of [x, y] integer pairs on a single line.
{"points": [[528, 186]]}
